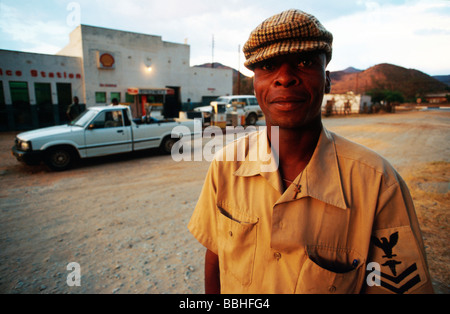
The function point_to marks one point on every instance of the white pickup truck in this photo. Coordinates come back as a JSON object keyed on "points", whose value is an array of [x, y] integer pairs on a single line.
{"points": [[99, 131]]}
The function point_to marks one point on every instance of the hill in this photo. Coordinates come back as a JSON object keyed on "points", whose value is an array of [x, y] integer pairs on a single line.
{"points": [[409, 82]]}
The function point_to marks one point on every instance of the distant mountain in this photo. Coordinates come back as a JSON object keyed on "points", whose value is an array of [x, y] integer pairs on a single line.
{"points": [[351, 70], [215, 65], [411, 83], [339, 75], [443, 78], [348, 70]]}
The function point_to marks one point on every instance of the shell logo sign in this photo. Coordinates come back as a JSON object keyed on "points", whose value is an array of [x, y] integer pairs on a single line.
{"points": [[105, 60]]}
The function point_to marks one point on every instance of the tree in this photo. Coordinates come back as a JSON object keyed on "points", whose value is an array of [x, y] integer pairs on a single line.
{"points": [[388, 98]]}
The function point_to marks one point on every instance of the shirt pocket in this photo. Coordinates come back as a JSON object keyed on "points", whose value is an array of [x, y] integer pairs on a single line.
{"points": [[330, 270], [237, 243]]}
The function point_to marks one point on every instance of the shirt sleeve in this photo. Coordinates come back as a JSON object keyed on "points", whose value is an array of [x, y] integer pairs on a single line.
{"points": [[203, 223], [397, 260]]}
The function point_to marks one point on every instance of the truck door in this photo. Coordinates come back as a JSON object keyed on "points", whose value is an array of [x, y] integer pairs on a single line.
{"points": [[109, 133]]}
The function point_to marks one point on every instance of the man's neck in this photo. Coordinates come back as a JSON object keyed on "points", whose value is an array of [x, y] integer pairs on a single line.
{"points": [[296, 147]]}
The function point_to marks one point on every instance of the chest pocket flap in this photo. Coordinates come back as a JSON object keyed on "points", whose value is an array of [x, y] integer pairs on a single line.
{"points": [[237, 243], [331, 270]]}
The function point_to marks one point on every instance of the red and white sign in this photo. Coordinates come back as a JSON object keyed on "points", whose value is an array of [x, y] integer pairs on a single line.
{"points": [[133, 91]]}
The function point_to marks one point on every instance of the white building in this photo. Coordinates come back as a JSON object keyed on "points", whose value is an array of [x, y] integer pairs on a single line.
{"points": [[345, 103], [97, 66]]}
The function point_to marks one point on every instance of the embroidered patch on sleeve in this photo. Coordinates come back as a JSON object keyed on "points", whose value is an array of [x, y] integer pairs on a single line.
{"points": [[400, 260]]}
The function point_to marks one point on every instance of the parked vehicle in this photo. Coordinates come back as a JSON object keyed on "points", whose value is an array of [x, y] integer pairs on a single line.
{"points": [[247, 103], [99, 131]]}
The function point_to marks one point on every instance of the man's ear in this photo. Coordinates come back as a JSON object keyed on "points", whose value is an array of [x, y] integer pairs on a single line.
{"points": [[328, 82]]}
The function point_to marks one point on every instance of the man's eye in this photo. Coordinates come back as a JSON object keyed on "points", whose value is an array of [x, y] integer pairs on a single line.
{"points": [[267, 66], [305, 63]]}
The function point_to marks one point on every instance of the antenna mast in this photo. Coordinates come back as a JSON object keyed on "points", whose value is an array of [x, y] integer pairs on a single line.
{"points": [[212, 53], [239, 71]]}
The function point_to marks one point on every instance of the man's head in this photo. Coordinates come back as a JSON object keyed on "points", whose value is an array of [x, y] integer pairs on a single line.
{"points": [[75, 99], [289, 53], [291, 31]]}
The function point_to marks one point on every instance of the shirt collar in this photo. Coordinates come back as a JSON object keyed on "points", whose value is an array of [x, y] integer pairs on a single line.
{"points": [[322, 175], [257, 163], [321, 178]]}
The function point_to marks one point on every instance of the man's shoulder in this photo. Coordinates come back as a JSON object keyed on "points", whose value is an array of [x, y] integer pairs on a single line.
{"points": [[348, 151]]}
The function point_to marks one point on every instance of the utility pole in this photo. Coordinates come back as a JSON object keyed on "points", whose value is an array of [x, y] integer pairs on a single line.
{"points": [[212, 52], [357, 83], [239, 71]]}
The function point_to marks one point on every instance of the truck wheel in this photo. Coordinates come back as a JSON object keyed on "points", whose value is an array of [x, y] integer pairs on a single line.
{"points": [[167, 144], [251, 119], [59, 159]]}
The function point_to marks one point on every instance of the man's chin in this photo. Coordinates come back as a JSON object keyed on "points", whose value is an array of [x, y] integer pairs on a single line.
{"points": [[297, 124]]}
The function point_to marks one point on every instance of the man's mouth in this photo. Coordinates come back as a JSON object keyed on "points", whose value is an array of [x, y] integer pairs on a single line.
{"points": [[287, 103]]}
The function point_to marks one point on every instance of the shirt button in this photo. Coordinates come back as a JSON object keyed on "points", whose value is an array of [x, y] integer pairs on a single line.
{"points": [[277, 255], [332, 289], [230, 233]]}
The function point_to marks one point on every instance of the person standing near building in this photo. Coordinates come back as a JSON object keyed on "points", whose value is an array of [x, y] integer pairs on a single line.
{"points": [[334, 217], [74, 110], [114, 102]]}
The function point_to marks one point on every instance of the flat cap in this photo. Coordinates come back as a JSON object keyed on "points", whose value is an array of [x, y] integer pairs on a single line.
{"points": [[291, 31]]}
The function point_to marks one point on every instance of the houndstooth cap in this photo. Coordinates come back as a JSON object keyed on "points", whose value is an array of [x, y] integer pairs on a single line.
{"points": [[291, 31]]}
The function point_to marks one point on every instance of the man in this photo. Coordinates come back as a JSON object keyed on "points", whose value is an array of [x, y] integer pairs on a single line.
{"points": [[334, 217], [114, 102], [74, 110]]}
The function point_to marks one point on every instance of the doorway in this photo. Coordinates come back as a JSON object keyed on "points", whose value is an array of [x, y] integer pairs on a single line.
{"points": [[64, 91], [172, 105]]}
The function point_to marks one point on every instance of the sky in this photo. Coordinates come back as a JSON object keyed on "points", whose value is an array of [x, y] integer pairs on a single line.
{"points": [[408, 33]]}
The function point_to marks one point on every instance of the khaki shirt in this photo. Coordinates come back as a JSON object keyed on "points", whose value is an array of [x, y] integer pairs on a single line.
{"points": [[353, 209]]}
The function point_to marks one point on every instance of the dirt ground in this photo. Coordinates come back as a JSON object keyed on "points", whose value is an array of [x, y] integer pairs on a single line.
{"points": [[123, 218]]}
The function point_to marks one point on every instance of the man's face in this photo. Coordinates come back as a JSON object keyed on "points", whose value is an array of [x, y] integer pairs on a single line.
{"points": [[290, 88]]}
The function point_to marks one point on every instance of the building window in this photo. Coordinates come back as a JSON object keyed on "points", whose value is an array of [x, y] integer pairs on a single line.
{"points": [[43, 93], [129, 98], [20, 99], [19, 92], [44, 102], [100, 97], [115, 95], [108, 119]]}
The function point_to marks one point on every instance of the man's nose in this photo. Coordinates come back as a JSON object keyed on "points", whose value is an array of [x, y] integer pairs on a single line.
{"points": [[286, 76]]}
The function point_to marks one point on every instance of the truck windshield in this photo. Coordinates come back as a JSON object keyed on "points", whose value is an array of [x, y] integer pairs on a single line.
{"points": [[222, 99], [84, 118]]}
